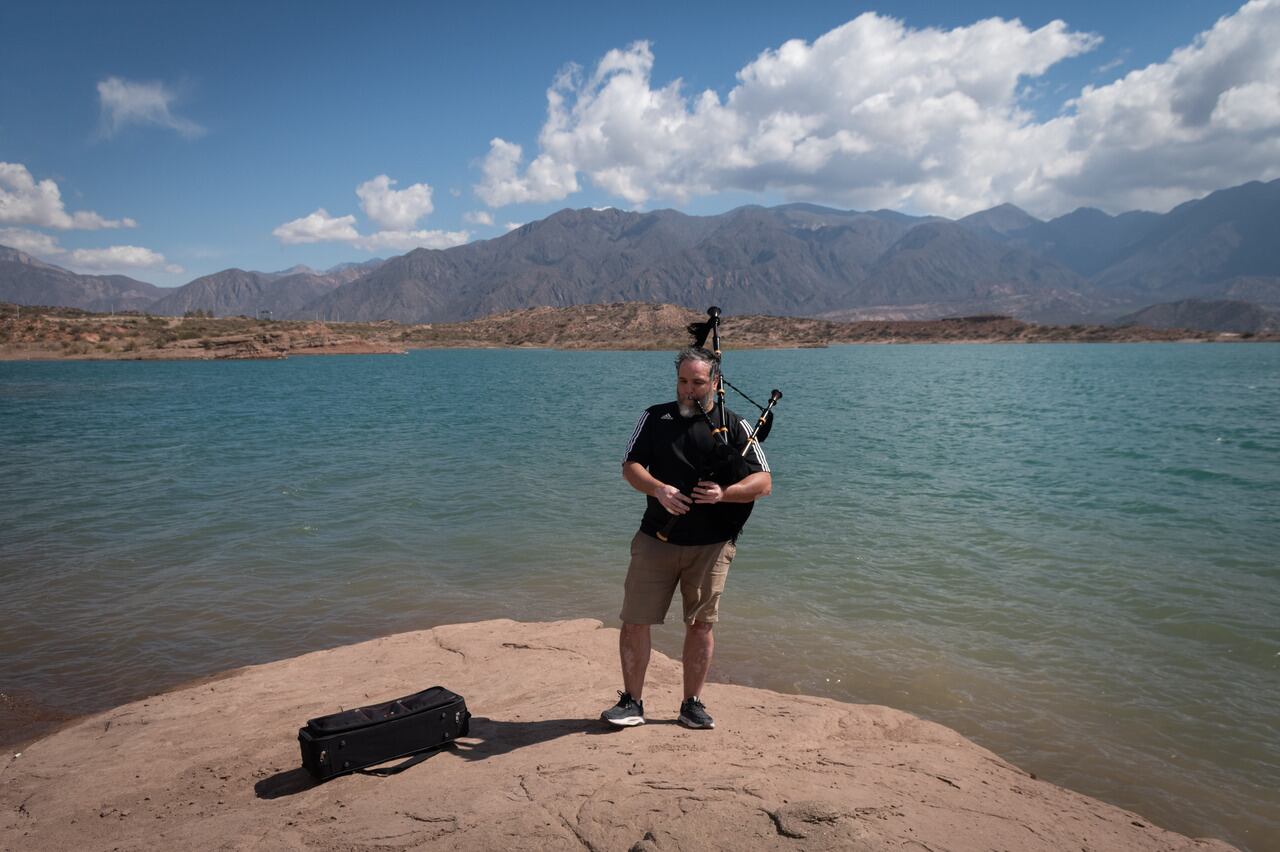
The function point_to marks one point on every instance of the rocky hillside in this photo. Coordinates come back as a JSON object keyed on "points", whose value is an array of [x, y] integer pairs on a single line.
{"points": [[632, 326], [69, 333], [1207, 315], [27, 333]]}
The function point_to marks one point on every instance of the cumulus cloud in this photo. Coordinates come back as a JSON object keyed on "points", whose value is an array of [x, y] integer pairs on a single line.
{"points": [[875, 113], [478, 217], [317, 227], [395, 211], [124, 102], [392, 209], [31, 242], [545, 179], [116, 258], [25, 201]]}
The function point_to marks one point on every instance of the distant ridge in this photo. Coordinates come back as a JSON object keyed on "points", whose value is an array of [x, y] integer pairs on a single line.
{"points": [[233, 292]]}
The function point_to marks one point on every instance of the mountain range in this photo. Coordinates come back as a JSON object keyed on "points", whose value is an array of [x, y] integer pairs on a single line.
{"points": [[27, 281], [793, 259], [281, 295]]}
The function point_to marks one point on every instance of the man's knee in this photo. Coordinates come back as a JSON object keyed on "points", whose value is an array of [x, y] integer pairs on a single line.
{"points": [[633, 630], [699, 627]]}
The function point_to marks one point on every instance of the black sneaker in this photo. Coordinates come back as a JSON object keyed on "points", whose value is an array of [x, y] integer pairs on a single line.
{"points": [[626, 713], [693, 714]]}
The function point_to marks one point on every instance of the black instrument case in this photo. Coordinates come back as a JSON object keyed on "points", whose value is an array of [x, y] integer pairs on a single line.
{"points": [[354, 739]]}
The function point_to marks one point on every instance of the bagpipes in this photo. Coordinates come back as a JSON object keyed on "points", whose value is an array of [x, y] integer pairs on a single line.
{"points": [[726, 465]]}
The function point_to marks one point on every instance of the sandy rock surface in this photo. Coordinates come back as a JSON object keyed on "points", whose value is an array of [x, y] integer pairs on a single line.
{"points": [[216, 765]]}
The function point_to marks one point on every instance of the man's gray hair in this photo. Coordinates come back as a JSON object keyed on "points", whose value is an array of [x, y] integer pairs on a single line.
{"points": [[697, 353]]}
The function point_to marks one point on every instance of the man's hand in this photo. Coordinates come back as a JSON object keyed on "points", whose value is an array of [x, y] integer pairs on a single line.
{"points": [[752, 488], [707, 492], [671, 499]]}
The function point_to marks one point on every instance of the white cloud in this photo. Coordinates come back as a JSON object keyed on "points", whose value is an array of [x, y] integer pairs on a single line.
{"points": [[31, 242], [546, 179], [874, 113], [392, 209], [511, 226], [317, 227], [478, 217], [395, 211], [1110, 66], [24, 201], [1206, 118], [124, 102], [116, 258], [1249, 107], [408, 240]]}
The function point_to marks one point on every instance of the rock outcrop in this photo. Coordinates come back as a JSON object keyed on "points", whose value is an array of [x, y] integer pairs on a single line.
{"points": [[216, 765]]}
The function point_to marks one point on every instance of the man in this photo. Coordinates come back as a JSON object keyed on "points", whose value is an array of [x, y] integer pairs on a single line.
{"points": [[698, 502]]}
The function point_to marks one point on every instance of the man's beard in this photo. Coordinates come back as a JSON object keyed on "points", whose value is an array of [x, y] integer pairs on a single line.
{"points": [[689, 408]]}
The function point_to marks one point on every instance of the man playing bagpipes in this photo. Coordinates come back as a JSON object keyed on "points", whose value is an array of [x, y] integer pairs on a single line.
{"points": [[701, 469]]}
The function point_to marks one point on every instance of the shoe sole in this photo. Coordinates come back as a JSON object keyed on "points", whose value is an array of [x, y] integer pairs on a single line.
{"points": [[689, 723], [626, 721]]}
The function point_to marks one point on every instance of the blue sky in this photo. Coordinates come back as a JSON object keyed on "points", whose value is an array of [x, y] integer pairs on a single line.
{"points": [[167, 141]]}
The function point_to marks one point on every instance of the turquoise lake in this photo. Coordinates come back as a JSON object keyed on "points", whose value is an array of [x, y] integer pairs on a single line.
{"points": [[1068, 553]]}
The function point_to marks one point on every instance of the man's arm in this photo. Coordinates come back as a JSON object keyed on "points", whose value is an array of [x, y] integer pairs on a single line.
{"points": [[639, 478], [746, 490], [753, 486]]}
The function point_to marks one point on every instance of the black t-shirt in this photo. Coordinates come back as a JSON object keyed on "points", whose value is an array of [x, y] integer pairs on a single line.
{"points": [[680, 451]]}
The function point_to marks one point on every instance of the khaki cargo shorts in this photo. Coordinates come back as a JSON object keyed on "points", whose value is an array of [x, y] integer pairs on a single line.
{"points": [[657, 567]]}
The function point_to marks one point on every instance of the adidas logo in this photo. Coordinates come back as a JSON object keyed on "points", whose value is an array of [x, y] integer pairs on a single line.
{"points": [[666, 416]]}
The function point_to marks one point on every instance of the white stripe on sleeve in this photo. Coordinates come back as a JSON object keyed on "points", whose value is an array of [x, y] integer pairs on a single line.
{"points": [[636, 434]]}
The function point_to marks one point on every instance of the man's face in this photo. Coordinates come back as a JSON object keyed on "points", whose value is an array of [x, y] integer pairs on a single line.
{"points": [[693, 382]]}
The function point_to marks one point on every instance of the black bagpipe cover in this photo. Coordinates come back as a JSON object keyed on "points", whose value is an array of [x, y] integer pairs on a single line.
{"points": [[354, 739]]}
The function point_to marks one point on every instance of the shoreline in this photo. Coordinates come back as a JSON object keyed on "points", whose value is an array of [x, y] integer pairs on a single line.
{"points": [[42, 356], [217, 757], [53, 334]]}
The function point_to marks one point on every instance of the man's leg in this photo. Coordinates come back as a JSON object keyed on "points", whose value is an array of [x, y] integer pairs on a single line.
{"points": [[651, 581], [634, 647], [700, 589], [698, 645]]}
